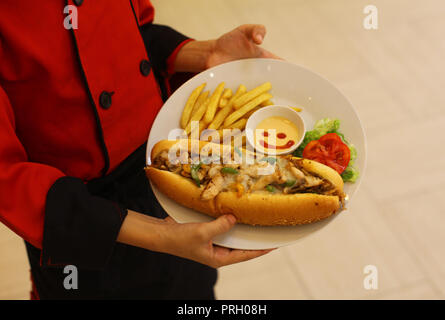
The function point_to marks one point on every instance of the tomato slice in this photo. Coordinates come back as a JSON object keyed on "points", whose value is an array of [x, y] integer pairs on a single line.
{"points": [[330, 136], [329, 150]]}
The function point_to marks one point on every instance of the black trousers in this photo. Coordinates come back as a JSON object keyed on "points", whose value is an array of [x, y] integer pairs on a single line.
{"points": [[132, 273]]}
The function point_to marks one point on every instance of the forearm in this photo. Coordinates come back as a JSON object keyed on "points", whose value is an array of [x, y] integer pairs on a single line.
{"points": [[142, 231], [194, 56]]}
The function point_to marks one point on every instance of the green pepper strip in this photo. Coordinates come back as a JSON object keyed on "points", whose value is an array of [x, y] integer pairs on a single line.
{"points": [[229, 170], [270, 188], [289, 183], [194, 173]]}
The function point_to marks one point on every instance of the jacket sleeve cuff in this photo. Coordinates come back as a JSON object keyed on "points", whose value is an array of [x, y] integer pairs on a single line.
{"points": [[79, 229], [172, 58], [162, 44]]}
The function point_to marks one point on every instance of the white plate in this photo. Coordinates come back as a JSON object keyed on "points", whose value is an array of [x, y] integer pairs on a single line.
{"points": [[291, 85]]}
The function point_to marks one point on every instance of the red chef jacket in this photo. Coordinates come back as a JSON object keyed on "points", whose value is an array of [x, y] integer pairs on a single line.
{"points": [[73, 105]]}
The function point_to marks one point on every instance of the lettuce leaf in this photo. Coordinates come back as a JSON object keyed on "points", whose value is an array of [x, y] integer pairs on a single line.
{"points": [[350, 174], [326, 125], [323, 127]]}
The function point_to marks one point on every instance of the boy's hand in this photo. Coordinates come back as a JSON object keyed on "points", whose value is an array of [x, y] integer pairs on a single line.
{"points": [[240, 43], [194, 241]]}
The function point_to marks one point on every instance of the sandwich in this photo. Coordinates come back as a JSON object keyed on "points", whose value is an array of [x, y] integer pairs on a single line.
{"points": [[257, 189]]}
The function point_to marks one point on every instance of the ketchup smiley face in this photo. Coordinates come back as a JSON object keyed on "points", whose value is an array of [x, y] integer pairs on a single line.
{"points": [[280, 135], [277, 133]]}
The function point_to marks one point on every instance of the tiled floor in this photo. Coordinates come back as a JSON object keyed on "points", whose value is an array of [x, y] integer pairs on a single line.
{"points": [[394, 76]]}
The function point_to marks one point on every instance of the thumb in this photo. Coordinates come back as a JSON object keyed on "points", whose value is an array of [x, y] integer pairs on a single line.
{"points": [[254, 32], [220, 225], [259, 31]]}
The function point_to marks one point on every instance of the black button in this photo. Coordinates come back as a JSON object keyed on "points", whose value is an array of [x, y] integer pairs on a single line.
{"points": [[145, 67], [78, 2], [105, 99]]}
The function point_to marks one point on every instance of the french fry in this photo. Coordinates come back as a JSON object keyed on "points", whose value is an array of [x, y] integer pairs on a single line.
{"points": [[248, 114], [240, 124], [240, 91], [189, 105], [266, 103], [200, 128], [224, 112], [252, 94], [220, 116], [197, 116], [213, 104], [223, 102], [202, 97], [263, 104], [246, 108], [227, 93]]}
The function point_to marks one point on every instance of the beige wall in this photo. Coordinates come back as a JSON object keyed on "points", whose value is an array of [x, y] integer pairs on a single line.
{"points": [[394, 76]]}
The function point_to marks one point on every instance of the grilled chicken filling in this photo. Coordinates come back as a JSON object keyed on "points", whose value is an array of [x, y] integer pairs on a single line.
{"points": [[288, 176]]}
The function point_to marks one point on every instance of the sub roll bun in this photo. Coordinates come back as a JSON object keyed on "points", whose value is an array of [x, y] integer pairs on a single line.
{"points": [[256, 189]]}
